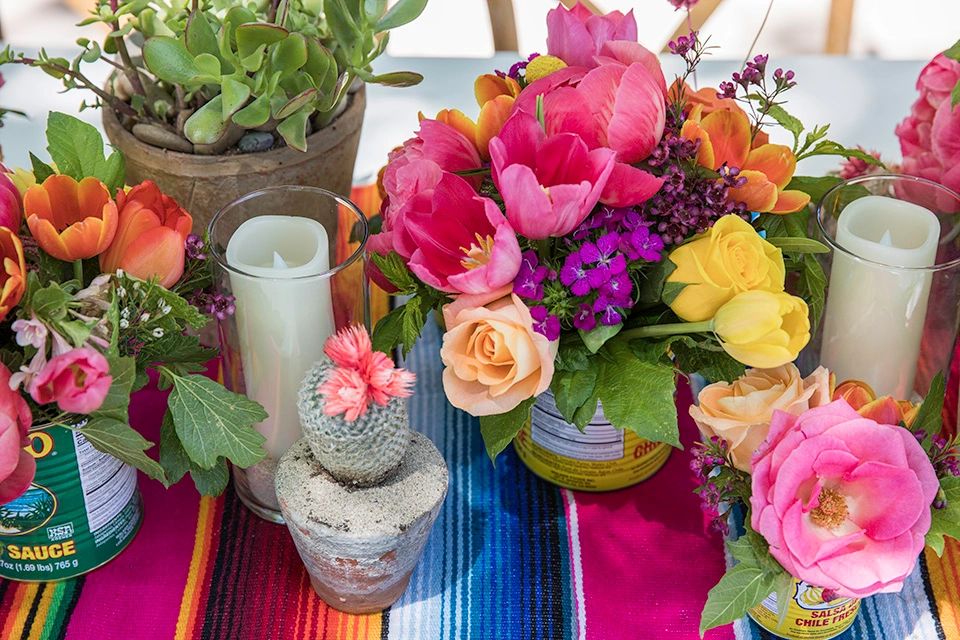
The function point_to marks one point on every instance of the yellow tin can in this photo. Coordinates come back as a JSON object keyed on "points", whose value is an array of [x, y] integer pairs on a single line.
{"points": [[599, 458], [809, 616]]}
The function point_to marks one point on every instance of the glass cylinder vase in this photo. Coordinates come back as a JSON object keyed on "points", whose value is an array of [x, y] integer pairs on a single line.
{"points": [[893, 292], [290, 260]]}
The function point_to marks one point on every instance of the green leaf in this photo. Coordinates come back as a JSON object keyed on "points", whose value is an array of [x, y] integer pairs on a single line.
{"points": [[294, 129], [253, 35], [946, 521], [397, 79], [585, 413], [211, 482], [290, 54], [179, 307], [572, 355], [395, 270], [638, 395], [213, 422], [414, 317], [207, 123], [296, 103], [954, 51], [816, 188], [319, 60], [739, 590], [597, 337], [77, 150], [114, 407], [798, 245], [403, 12], [123, 442], [254, 61], [77, 332], [387, 334], [209, 66], [179, 352], [499, 430], [341, 23], [176, 463], [812, 286], [113, 171], [707, 359], [787, 121], [671, 290], [50, 302], [199, 35], [168, 59], [41, 170], [254, 114], [651, 288], [930, 415], [955, 95], [234, 95], [572, 389]]}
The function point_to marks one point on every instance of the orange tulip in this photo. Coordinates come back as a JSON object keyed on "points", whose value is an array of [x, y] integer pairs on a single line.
{"points": [[71, 220], [489, 86], [151, 236], [492, 116], [725, 140], [885, 410], [13, 275]]}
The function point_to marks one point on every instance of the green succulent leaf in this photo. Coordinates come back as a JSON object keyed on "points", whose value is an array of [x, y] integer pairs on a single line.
{"points": [[294, 129], [169, 60], [234, 95], [403, 12], [397, 79], [296, 102], [341, 23], [254, 61], [209, 66], [254, 114], [199, 35], [207, 124], [290, 54], [253, 35]]}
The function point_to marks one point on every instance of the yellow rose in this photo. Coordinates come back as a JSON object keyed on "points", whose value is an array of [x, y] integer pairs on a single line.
{"points": [[740, 413], [493, 358], [728, 259], [763, 329]]}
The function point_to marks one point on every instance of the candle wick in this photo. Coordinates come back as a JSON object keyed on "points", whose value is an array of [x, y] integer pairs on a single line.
{"points": [[278, 261], [887, 239]]}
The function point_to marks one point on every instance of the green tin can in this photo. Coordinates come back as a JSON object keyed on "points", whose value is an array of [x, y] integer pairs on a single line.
{"points": [[82, 509]]}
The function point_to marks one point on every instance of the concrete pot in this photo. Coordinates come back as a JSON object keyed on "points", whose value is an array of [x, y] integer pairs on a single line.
{"points": [[204, 184], [360, 545]]}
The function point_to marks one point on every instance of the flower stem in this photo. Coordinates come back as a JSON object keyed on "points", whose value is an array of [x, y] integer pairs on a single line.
{"points": [[78, 270], [677, 328]]}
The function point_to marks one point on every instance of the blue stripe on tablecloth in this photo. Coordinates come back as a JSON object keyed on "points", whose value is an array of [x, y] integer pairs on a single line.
{"points": [[497, 562]]}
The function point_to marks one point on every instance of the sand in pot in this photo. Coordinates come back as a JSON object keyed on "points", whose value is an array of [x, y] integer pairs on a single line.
{"points": [[360, 545]]}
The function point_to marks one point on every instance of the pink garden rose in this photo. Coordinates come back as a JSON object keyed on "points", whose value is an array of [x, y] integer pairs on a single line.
{"points": [[577, 35], [463, 242], [17, 467], [78, 381], [843, 501], [549, 183]]}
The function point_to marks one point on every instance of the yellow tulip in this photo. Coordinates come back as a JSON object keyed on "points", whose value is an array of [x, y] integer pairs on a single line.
{"points": [[763, 329], [729, 259]]}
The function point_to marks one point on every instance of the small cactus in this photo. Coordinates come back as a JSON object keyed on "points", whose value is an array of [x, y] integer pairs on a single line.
{"points": [[353, 410]]}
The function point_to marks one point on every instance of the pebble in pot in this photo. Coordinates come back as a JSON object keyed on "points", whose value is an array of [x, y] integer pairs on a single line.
{"points": [[360, 491]]}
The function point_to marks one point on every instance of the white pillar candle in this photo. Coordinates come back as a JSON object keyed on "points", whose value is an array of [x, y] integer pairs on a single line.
{"points": [[875, 314], [283, 315]]}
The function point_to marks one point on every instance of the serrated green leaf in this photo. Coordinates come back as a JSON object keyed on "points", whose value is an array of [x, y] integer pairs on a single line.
{"points": [[387, 334], [740, 589], [179, 307], [498, 431], [572, 389], [414, 317], [395, 270], [572, 355], [945, 522], [812, 287], [403, 12], [597, 337], [168, 59], [176, 463], [638, 395], [41, 170], [213, 422], [123, 442], [708, 360], [787, 121], [179, 352], [115, 404]]}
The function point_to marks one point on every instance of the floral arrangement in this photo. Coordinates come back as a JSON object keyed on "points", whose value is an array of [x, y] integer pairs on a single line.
{"points": [[209, 70], [100, 285], [841, 489], [927, 135], [594, 231]]}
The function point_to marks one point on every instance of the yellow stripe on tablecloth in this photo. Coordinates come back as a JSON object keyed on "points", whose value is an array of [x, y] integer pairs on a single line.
{"points": [[43, 610], [14, 626], [944, 580], [189, 606]]}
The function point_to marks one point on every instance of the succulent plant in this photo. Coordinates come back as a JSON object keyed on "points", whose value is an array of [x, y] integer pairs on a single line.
{"points": [[353, 409], [212, 69]]}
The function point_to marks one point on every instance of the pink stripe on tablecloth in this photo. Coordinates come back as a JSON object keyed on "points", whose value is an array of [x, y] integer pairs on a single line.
{"points": [[116, 600], [647, 558]]}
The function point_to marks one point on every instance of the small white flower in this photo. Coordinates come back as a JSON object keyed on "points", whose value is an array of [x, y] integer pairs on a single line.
{"points": [[120, 273], [157, 333], [136, 285], [121, 292], [125, 313], [124, 323], [165, 310], [145, 317]]}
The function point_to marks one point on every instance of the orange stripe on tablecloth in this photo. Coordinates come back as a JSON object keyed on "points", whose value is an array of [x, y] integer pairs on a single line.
{"points": [[25, 593], [199, 565], [944, 581]]}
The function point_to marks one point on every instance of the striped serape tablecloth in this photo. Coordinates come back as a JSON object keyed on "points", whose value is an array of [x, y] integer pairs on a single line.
{"points": [[510, 557]]}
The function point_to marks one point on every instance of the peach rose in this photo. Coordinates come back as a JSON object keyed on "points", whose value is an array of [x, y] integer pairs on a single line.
{"points": [[493, 358], [740, 413]]}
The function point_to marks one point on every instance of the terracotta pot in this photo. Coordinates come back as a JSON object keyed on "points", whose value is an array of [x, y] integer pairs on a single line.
{"points": [[204, 184]]}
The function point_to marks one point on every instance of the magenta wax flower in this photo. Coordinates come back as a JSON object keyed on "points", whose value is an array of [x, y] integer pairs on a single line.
{"points": [[843, 501], [577, 35], [464, 244], [549, 184]]}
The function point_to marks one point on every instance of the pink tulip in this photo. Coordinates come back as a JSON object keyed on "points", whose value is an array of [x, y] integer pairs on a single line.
{"points": [[464, 244], [549, 183], [627, 53], [17, 467], [11, 210], [577, 35], [843, 501], [78, 381]]}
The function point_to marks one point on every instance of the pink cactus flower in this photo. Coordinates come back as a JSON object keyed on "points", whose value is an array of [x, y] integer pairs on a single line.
{"points": [[464, 243], [843, 501], [577, 35], [362, 376], [78, 381], [549, 183], [17, 467]]}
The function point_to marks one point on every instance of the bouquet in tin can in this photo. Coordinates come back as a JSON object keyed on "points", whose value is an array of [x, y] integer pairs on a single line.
{"points": [[594, 232], [838, 488], [99, 285]]}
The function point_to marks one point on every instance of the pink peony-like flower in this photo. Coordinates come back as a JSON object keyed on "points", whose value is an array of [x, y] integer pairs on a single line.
{"points": [[362, 376], [577, 35], [464, 243], [843, 501], [78, 381], [17, 466], [549, 183]]}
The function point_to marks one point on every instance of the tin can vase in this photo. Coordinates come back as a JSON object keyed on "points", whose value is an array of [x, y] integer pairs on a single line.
{"points": [[812, 614], [82, 509], [599, 458]]}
